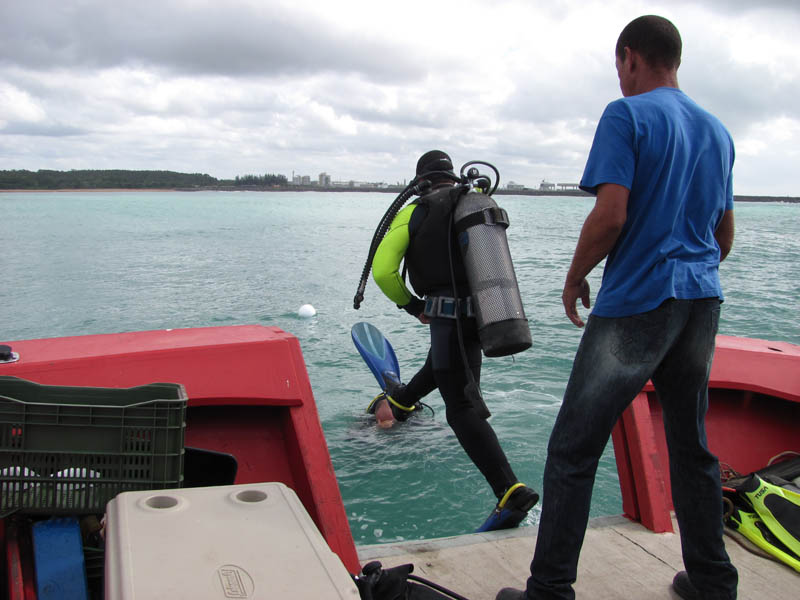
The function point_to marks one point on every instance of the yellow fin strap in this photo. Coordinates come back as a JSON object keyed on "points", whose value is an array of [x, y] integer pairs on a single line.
{"points": [[374, 400], [508, 493], [393, 402]]}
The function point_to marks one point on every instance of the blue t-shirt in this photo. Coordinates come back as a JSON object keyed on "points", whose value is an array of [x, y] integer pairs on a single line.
{"points": [[677, 160]]}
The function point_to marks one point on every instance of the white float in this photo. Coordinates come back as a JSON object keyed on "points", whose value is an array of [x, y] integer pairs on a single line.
{"points": [[306, 311]]}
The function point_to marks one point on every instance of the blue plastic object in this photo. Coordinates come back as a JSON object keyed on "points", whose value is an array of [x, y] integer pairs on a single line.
{"points": [[58, 556], [377, 352]]}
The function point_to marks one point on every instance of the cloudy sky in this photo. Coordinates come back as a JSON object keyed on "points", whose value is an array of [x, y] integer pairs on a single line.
{"points": [[359, 89]]}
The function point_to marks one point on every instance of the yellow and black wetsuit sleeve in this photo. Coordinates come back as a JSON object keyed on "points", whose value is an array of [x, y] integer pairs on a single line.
{"points": [[389, 255]]}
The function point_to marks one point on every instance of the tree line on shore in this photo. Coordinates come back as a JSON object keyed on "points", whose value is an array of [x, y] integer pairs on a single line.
{"points": [[123, 179]]}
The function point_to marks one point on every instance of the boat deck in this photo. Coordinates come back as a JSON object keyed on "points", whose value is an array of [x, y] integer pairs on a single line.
{"points": [[620, 560]]}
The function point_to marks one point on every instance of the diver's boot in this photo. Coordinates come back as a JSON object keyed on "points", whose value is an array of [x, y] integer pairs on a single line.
{"points": [[511, 509], [400, 411]]}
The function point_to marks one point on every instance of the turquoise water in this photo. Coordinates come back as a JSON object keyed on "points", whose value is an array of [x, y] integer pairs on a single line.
{"points": [[82, 263]]}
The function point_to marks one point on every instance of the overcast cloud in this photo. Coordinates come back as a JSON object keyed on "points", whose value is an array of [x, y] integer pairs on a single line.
{"points": [[359, 89]]}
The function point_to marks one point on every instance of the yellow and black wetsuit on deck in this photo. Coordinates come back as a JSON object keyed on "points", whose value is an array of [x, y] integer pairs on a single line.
{"points": [[419, 234]]}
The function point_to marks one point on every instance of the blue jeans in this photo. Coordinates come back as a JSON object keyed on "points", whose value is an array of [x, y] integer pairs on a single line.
{"points": [[673, 346]]}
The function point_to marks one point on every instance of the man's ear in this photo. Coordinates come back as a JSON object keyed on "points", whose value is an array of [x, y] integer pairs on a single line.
{"points": [[631, 61]]}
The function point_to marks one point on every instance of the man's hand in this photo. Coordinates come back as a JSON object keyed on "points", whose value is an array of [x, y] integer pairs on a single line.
{"points": [[570, 295]]}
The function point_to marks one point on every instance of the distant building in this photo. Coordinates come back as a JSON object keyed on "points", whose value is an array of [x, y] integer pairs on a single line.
{"points": [[568, 186], [546, 186], [360, 184], [324, 180], [514, 186], [301, 179]]}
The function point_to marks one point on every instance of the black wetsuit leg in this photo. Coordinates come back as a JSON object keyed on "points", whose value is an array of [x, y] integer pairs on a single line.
{"points": [[421, 384], [474, 433]]}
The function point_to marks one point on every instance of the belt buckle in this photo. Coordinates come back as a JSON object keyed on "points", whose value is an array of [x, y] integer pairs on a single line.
{"points": [[447, 306]]}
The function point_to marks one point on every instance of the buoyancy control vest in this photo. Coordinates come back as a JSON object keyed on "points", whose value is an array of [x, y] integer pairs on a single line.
{"points": [[428, 254]]}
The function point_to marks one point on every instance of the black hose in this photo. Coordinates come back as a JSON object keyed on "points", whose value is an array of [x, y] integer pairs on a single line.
{"points": [[415, 187], [430, 408], [491, 166]]}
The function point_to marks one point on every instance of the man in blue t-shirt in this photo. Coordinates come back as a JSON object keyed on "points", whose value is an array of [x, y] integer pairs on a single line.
{"points": [[660, 167]]}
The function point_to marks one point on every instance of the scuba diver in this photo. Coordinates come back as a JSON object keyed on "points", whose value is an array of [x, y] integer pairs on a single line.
{"points": [[422, 235]]}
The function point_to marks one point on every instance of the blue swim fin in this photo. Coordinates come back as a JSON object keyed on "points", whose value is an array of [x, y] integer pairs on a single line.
{"points": [[377, 352]]}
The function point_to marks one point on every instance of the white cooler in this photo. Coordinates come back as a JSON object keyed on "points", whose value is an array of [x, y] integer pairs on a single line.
{"points": [[251, 541]]}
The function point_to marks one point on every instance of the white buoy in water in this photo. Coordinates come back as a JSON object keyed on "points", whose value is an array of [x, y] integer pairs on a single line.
{"points": [[306, 311]]}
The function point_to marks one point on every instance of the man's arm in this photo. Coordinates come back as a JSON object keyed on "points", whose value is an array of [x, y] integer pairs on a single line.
{"points": [[724, 234], [389, 255], [598, 236]]}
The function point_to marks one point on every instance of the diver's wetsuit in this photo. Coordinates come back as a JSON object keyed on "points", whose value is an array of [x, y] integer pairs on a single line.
{"points": [[419, 233]]}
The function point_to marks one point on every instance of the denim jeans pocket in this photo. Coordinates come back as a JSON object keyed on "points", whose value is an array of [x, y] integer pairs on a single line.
{"points": [[639, 339]]}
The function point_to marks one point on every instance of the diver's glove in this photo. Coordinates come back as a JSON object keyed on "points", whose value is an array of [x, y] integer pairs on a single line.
{"points": [[511, 509], [414, 307]]}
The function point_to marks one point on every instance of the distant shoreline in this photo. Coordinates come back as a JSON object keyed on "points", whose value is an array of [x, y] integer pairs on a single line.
{"points": [[390, 190]]}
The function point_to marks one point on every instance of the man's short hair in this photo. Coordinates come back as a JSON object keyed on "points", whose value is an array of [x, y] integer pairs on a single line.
{"points": [[655, 38]]}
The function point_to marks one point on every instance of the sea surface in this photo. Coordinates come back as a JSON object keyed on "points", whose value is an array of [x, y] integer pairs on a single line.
{"points": [[74, 263]]}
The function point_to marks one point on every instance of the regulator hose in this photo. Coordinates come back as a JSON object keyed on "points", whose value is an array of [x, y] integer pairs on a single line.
{"points": [[482, 162], [415, 188]]}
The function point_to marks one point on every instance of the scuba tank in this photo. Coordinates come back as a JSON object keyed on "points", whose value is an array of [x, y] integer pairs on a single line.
{"points": [[480, 226]]}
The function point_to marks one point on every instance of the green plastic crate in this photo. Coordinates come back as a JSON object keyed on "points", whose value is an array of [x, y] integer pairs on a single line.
{"points": [[69, 450]]}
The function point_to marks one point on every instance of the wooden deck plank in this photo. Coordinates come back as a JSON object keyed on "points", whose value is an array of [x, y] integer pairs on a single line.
{"points": [[621, 560]]}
